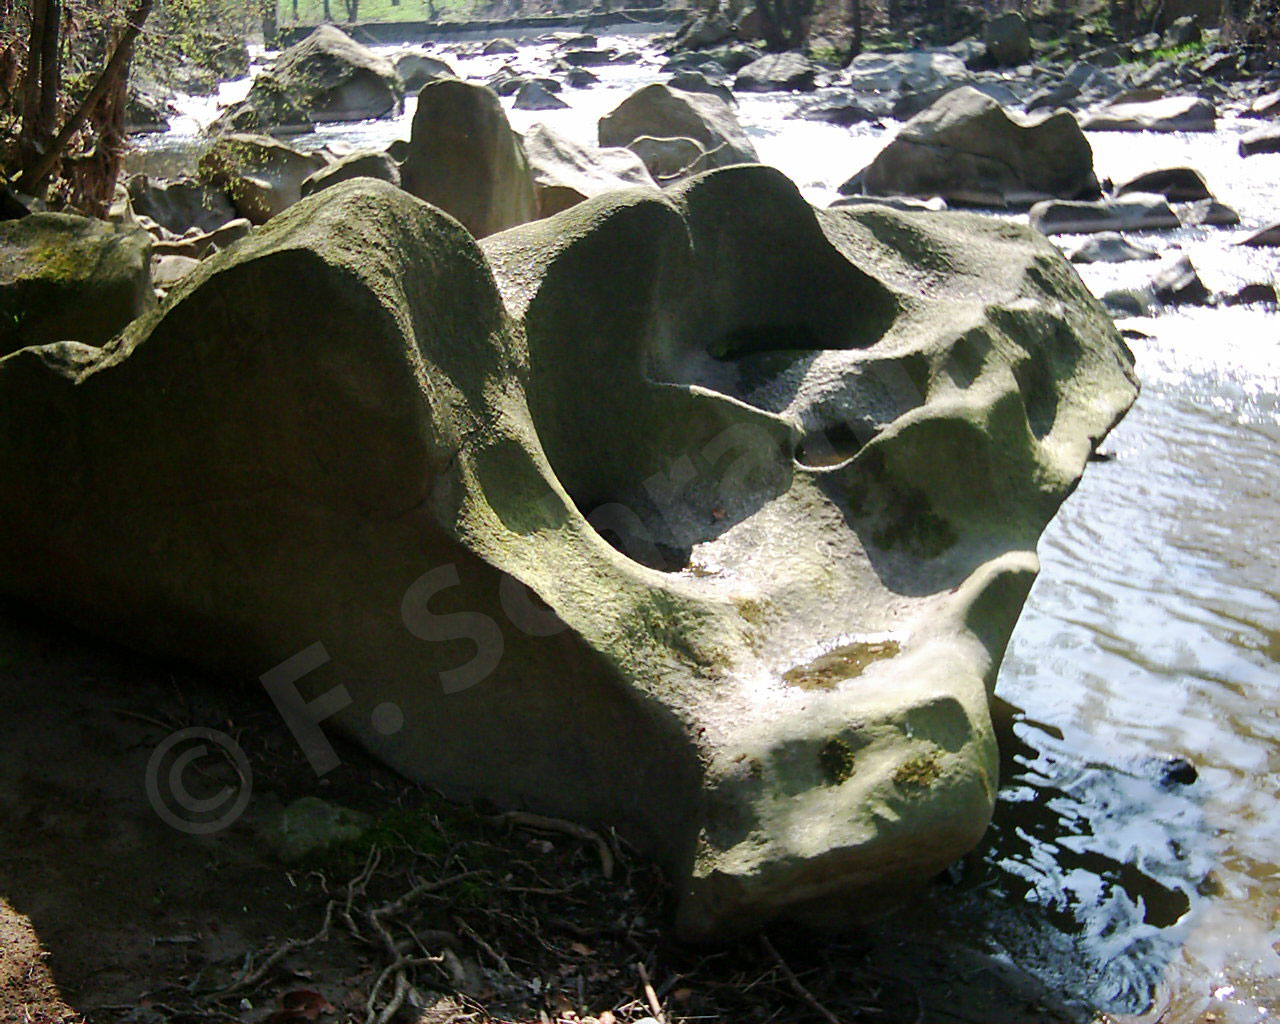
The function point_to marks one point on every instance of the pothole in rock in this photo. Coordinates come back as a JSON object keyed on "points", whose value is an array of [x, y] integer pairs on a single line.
{"points": [[847, 661]]}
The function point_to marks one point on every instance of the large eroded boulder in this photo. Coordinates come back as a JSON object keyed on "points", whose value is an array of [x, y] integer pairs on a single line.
{"points": [[64, 277], [660, 112], [969, 149], [464, 158], [702, 515]]}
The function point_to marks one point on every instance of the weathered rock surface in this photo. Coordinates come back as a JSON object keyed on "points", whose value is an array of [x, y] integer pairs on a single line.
{"points": [[1109, 247], [326, 77], [566, 172], [1134, 212], [778, 72], [180, 203], [64, 277], [968, 149], [661, 112], [260, 175], [464, 158], [365, 163], [793, 642], [1172, 114]]}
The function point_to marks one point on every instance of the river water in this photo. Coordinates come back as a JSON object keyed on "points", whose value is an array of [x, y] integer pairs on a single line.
{"points": [[1152, 633]]}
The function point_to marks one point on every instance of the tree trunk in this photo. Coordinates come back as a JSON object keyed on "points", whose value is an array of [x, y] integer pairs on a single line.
{"points": [[855, 28], [111, 81], [328, 13], [353, 9]]}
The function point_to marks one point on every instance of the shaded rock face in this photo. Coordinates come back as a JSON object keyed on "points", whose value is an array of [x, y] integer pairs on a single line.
{"points": [[565, 172], [746, 492], [1008, 40], [661, 112], [1109, 247], [260, 175], [180, 203], [464, 158], [64, 277], [670, 160], [1263, 140], [969, 149]]}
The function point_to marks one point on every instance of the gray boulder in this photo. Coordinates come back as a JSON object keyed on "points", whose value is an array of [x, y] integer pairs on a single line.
{"points": [[703, 31], [1176, 184], [1261, 140], [397, 479], [565, 172], [64, 277], [670, 160], [168, 270], [464, 158], [1172, 114], [499, 47], [896, 72], [1266, 106], [696, 81], [1267, 237], [534, 95], [366, 163], [416, 69], [1179, 285], [1208, 212], [1134, 212], [261, 176], [661, 112], [969, 149], [326, 77], [589, 58], [180, 203], [778, 72], [1008, 40], [1110, 247], [581, 78]]}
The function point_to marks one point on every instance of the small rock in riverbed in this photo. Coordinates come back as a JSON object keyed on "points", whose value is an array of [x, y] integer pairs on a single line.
{"points": [[1134, 212], [1110, 247], [1268, 236], [1176, 184], [1179, 285], [1263, 140], [1261, 293], [1210, 213]]}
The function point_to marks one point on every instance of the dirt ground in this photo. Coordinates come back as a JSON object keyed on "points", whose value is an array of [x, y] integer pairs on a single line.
{"points": [[437, 913]]}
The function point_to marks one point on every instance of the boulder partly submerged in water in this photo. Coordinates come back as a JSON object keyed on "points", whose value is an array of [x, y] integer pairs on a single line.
{"points": [[703, 515], [968, 149]]}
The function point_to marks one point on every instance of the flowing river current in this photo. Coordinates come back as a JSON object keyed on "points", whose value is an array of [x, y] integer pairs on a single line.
{"points": [[1153, 632]]}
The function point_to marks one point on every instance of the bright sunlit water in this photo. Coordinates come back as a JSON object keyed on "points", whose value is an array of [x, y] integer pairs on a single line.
{"points": [[1153, 631]]}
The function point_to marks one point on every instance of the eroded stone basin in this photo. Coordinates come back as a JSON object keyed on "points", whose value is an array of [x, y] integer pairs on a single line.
{"points": [[556, 497]]}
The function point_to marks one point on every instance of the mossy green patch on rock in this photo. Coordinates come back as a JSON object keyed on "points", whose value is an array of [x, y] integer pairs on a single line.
{"points": [[921, 771], [69, 278], [837, 760]]}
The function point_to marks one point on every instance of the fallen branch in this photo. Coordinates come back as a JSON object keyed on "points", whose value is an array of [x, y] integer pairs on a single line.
{"points": [[568, 828], [796, 984]]}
